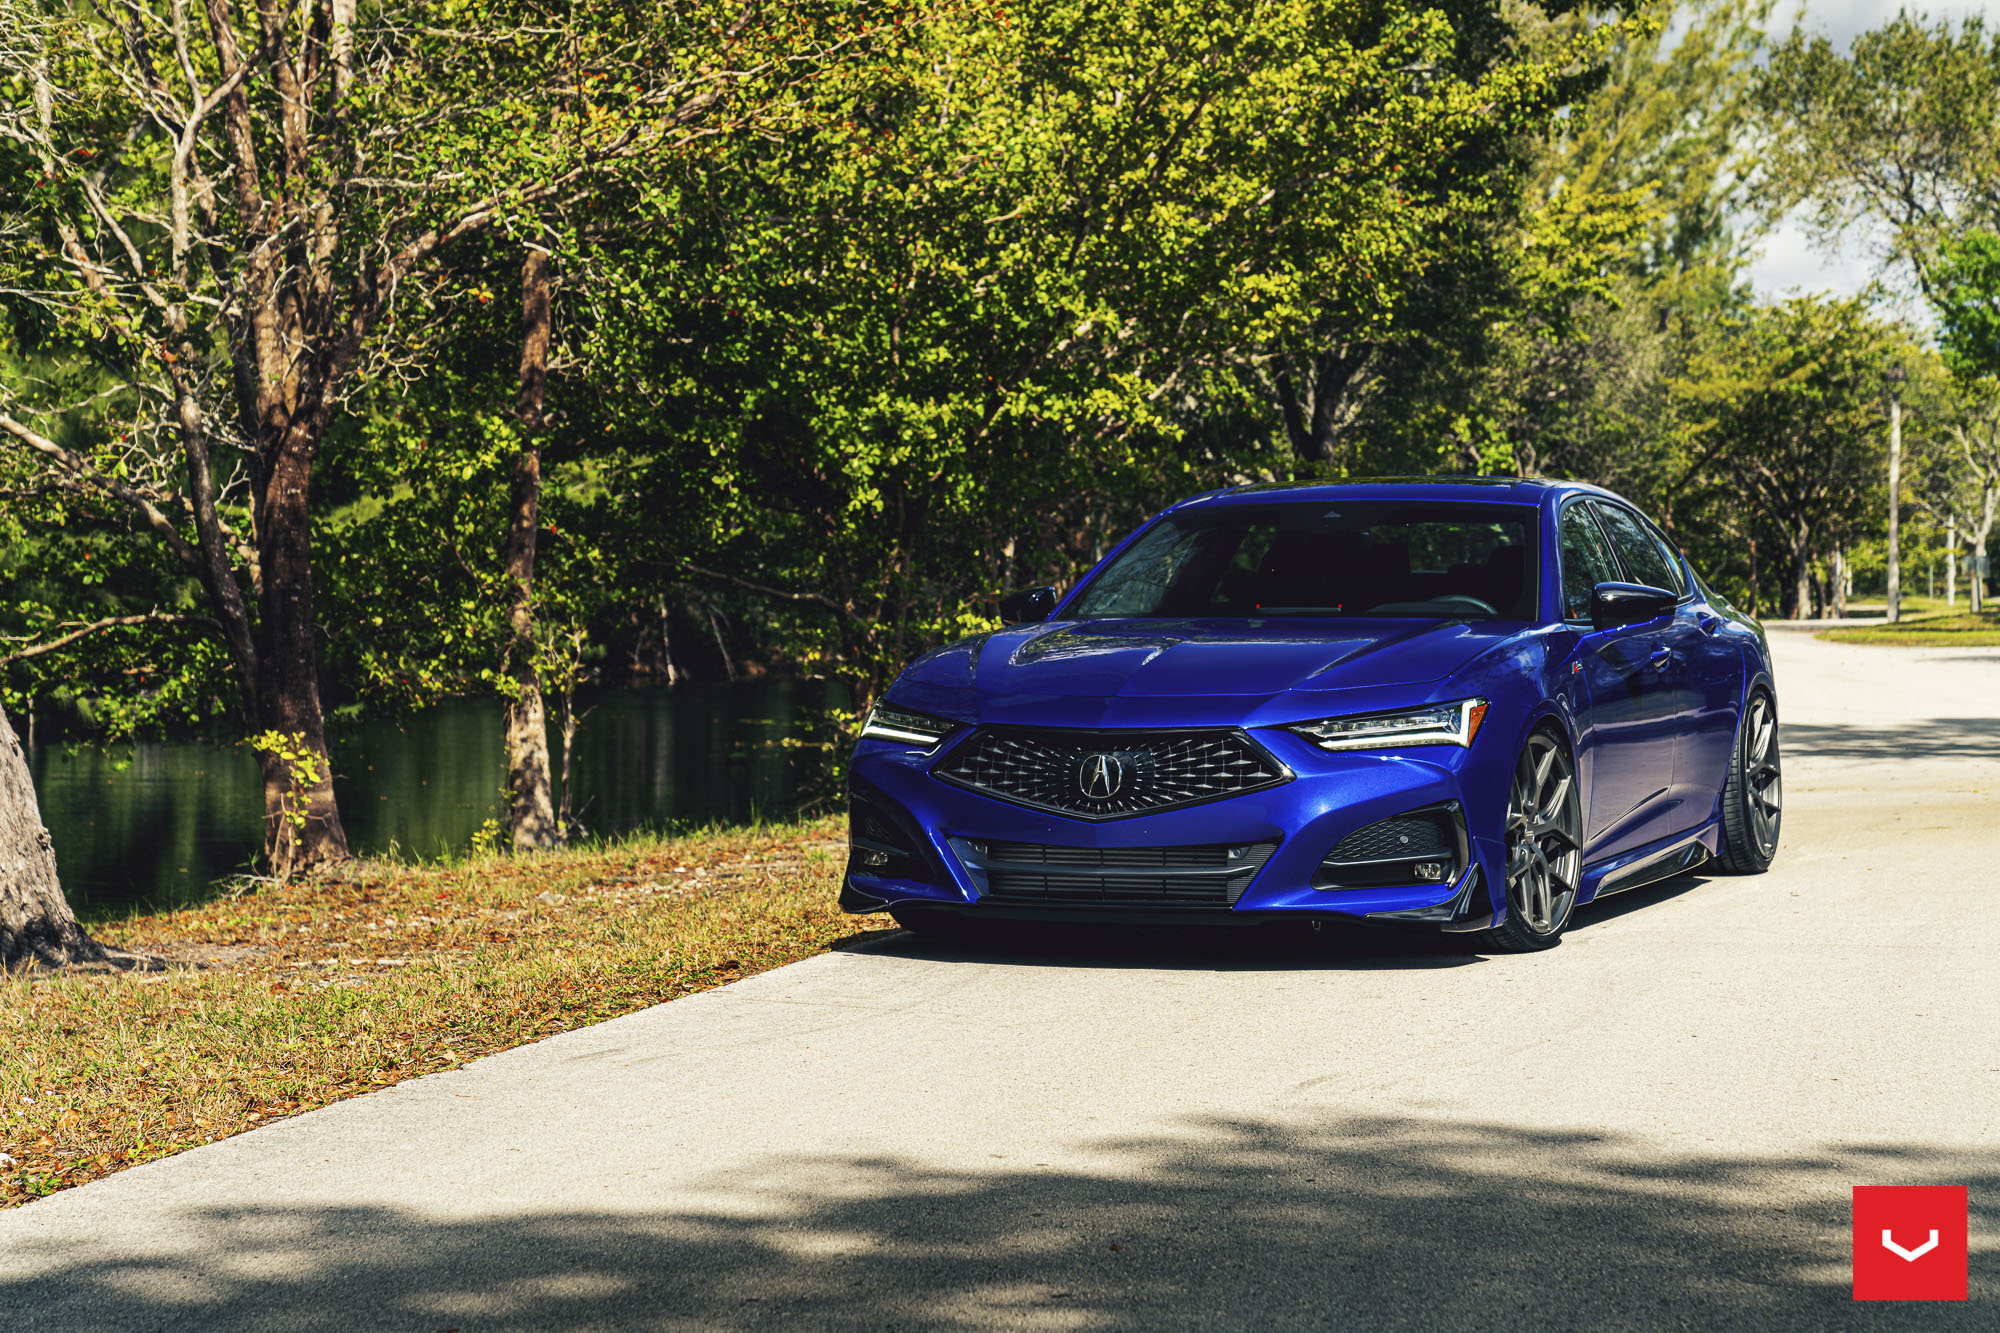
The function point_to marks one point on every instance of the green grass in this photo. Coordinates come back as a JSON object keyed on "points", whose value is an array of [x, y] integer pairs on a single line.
{"points": [[289, 998], [1924, 631]]}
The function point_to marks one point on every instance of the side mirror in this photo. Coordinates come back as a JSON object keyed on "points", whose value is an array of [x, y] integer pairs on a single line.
{"points": [[1628, 603], [1030, 606]]}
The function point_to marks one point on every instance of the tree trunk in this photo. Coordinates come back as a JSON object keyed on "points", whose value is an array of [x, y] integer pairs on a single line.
{"points": [[1315, 420], [1951, 563], [36, 925], [1839, 577], [302, 828], [1753, 576], [1977, 583], [530, 810], [1798, 589]]}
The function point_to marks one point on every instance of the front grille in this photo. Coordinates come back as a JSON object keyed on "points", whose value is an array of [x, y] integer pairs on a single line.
{"points": [[1031, 874], [1109, 774]]}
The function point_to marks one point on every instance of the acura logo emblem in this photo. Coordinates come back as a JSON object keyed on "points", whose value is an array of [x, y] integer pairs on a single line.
{"points": [[1100, 777]]}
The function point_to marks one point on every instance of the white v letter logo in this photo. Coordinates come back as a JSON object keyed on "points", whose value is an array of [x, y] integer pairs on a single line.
{"points": [[1889, 1243]]}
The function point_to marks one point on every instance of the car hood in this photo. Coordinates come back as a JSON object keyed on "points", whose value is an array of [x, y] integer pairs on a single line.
{"points": [[1042, 669]]}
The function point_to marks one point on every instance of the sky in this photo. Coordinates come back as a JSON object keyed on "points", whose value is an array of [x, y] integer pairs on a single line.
{"points": [[1789, 261]]}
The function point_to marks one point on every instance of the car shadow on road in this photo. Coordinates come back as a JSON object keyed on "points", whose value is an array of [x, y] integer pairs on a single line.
{"points": [[1276, 948], [1314, 1221], [1283, 947], [1603, 911], [1936, 738]]}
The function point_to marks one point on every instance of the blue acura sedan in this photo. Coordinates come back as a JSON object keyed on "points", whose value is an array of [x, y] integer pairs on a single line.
{"points": [[1470, 704]]}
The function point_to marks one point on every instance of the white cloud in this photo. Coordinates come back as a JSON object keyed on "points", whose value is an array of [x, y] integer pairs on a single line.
{"points": [[1840, 20]]}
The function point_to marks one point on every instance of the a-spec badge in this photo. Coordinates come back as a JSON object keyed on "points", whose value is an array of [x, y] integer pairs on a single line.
{"points": [[1100, 776]]}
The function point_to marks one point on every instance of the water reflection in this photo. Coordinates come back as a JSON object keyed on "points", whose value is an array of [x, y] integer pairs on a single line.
{"points": [[161, 821]]}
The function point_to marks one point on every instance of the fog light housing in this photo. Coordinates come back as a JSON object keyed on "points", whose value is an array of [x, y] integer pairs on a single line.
{"points": [[879, 843], [1423, 846]]}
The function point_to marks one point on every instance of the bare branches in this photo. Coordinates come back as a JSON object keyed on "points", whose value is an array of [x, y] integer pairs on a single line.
{"points": [[808, 598], [77, 467], [83, 631]]}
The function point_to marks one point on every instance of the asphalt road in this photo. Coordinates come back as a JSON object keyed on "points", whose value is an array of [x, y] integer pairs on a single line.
{"points": [[1655, 1125]]}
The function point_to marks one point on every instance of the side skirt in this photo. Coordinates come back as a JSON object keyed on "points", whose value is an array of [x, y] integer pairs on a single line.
{"points": [[1648, 865]]}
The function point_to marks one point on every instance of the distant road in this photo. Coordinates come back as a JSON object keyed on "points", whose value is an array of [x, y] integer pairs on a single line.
{"points": [[1655, 1125]]}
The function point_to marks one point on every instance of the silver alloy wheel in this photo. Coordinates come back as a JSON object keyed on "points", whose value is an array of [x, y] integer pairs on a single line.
{"points": [[1763, 783], [1544, 836]]}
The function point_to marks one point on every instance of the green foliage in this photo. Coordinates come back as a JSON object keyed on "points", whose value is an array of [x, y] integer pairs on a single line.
{"points": [[939, 301], [1787, 404], [1965, 290], [1023, 283], [1899, 130]]}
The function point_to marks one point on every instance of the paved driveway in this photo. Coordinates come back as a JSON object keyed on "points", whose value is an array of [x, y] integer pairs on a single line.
{"points": [[1654, 1126]]}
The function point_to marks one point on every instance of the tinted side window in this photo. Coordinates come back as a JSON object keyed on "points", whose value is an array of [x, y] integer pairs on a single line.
{"points": [[1643, 560], [1586, 560], [1673, 557]]}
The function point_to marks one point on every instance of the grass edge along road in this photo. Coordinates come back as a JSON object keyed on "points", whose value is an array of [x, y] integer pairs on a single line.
{"points": [[287, 999], [1960, 630]]}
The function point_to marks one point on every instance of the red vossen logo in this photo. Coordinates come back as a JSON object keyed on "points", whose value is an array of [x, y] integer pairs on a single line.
{"points": [[1909, 1242]]}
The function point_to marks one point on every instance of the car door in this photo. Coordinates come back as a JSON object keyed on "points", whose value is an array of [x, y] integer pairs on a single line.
{"points": [[1668, 646], [1705, 732], [1625, 750]]}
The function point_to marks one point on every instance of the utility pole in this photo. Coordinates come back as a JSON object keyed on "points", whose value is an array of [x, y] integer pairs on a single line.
{"points": [[1895, 377]]}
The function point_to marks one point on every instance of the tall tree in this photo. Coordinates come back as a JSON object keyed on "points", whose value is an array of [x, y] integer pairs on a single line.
{"points": [[1788, 400], [952, 339], [1900, 130], [1965, 291], [1547, 344], [531, 808], [222, 208], [36, 924]]}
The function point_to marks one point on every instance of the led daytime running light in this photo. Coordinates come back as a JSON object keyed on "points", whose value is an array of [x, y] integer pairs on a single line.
{"points": [[895, 724], [1440, 724]]}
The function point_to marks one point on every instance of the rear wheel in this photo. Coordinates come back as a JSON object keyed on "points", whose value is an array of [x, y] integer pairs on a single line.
{"points": [[1753, 798], [1544, 848]]}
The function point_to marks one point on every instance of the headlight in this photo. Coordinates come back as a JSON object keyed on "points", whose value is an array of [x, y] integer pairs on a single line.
{"points": [[1439, 724], [896, 724]]}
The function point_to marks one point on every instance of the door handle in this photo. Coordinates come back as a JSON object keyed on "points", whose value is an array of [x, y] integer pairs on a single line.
{"points": [[1661, 655]]}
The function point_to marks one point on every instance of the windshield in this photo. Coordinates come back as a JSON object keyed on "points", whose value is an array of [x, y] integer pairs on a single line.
{"points": [[1351, 558]]}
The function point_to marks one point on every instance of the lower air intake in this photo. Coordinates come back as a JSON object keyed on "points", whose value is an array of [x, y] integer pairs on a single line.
{"points": [[1033, 874], [1420, 847]]}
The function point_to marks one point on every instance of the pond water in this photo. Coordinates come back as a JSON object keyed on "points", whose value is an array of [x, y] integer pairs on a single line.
{"points": [[160, 821]]}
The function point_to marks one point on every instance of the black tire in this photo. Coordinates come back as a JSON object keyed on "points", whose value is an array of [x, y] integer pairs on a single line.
{"points": [[1544, 849], [1753, 797], [930, 924]]}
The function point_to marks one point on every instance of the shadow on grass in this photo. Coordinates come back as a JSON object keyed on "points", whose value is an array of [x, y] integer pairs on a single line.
{"points": [[1371, 1223]]}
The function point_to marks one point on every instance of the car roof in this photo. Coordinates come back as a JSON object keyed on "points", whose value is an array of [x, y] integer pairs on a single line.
{"points": [[1518, 490]]}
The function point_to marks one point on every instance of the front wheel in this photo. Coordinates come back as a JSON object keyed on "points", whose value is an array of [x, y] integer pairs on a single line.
{"points": [[1753, 798], [1544, 849]]}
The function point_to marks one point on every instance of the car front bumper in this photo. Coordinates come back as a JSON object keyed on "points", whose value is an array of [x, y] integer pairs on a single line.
{"points": [[1328, 797]]}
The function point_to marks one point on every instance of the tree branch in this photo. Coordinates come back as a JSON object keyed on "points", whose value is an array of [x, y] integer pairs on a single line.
{"points": [[76, 466], [811, 598], [112, 622]]}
